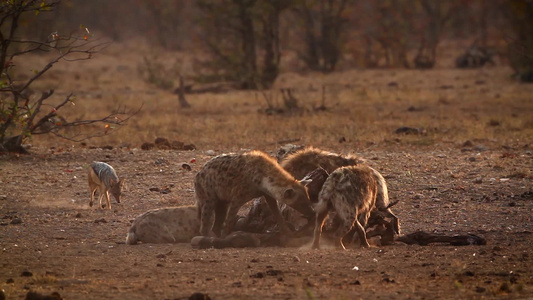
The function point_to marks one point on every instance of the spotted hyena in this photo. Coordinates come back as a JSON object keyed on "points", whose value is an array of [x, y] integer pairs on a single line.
{"points": [[165, 225], [227, 182], [350, 192], [301, 162]]}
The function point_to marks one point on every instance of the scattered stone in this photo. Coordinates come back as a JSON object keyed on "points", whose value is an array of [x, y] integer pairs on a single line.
{"points": [[189, 147], [3, 197], [410, 130], [210, 152], [147, 146], [494, 123], [468, 144], [480, 289], [162, 141], [273, 272], [161, 161], [199, 296], [10, 280], [186, 167], [257, 275], [478, 180], [36, 296], [102, 220], [472, 159], [78, 215], [16, 221], [296, 259], [26, 274]]}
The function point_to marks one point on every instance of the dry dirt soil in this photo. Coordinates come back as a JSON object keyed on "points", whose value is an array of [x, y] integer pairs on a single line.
{"points": [[52, 241]]}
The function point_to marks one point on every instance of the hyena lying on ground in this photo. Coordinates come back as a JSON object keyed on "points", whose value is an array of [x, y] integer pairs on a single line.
{"points": [[102, 177], [165, 225], [351, 193], [227, 182], [301, 162]]}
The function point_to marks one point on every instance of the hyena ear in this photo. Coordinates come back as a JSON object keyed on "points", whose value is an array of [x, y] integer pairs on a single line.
{"points": [[289, 193]]}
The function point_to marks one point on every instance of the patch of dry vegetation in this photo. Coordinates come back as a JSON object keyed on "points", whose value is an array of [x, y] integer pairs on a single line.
{"points": [[364, 107]]}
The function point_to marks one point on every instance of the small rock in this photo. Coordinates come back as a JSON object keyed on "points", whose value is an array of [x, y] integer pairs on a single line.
{"points": [[472, 159], [3, 197], [16, 221], [186, 167], [210, 152], [147, 146], [189, 147], [468, 144], [296, 259], [480, 289], [478, 180], [78, 215], [199, 296], [161, 161], [10, 280], [26, 274]]}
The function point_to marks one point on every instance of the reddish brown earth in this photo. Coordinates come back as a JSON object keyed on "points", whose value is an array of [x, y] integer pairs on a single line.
{"points": [[51, 240]]}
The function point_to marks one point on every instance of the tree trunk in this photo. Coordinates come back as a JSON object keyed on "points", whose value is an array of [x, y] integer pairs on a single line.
{"points": [[249, 66]]}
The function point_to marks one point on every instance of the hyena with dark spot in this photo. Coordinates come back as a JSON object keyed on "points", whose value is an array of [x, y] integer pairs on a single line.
{"points": [[227, 182], [351, 193], [302, 162], [165, 225]]}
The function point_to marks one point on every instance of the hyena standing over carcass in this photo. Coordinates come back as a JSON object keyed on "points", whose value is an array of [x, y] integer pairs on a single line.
{"points": [[351, 193], [227, 182], [102, 177], [302, 162]]}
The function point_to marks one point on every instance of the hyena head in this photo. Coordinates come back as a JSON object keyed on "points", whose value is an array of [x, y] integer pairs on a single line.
{"points": [[116, 189], [298, 198]]}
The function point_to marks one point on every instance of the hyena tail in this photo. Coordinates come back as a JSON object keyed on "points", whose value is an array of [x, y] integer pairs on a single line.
{"points": [[131, 239]]}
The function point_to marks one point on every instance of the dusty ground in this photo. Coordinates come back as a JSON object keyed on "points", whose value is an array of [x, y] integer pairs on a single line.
{"points": [[50, 240], [471, 172]]}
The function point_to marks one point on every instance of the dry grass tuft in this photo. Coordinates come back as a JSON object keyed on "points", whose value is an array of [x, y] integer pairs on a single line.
{"points": [[364, 107]]}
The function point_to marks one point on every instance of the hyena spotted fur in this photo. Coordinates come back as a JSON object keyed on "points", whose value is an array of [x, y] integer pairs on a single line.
{"points": [[302, 162], [165, 225], [228, 181], [102, 177], [351, 193]]}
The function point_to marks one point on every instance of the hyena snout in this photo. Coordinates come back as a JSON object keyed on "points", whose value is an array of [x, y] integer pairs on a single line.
{"points": [[116, 189], [299, 200]]}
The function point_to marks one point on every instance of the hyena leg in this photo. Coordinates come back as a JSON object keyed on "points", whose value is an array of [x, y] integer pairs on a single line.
{"points": [[319, 223], [230, 219], [221, 212], [345, 229], [360, 230], [273, 204], [206, 213]]}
